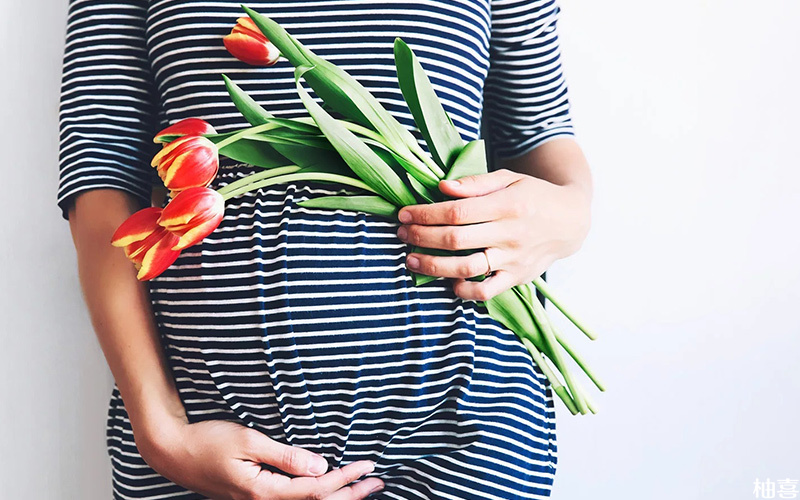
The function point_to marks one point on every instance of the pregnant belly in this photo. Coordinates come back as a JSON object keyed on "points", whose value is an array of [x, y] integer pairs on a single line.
{"points": [[305, 324]]}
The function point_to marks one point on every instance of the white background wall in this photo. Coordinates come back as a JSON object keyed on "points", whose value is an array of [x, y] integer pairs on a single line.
{"points": [[688, 114]]}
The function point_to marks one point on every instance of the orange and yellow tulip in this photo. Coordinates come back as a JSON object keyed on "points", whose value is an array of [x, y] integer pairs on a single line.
{"points": [[192, 215], [188, 126], [147, 244], [247, 44], [188, 161]]}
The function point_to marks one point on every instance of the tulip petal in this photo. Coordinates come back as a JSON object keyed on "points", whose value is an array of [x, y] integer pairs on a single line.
{"points": [[187, 162], [159, 257], [192, 215], [168, 149], [245, 22], [197, 167], [250, 30], [188, 126], [197, 233], [193, 204], [137, 227], [251, 50]]}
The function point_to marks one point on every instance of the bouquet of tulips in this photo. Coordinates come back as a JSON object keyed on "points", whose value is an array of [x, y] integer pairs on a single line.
{"points": [[367, 148]]}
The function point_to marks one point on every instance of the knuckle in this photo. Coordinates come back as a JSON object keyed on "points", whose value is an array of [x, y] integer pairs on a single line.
{"points": [[249, 440], [460, 289], [464, 271], [456, 214], [290, 459], [454, 239], [521, 208], [482, 293], [316, 495], [477, 266], [414, 235], [430, 267]]}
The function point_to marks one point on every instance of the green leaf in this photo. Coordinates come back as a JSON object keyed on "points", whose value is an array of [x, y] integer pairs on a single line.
{"points": [[364, 162], [509, 309], [296, 125], [252, 152], [367, 204], [289, 137], [247, 106], [434, 123], [471, 161], [426, 194]]}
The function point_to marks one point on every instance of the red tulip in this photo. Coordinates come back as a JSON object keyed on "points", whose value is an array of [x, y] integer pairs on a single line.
{"points": [[192, 215], [188, 126], [188, 161], [148, 245], [247, 44]]}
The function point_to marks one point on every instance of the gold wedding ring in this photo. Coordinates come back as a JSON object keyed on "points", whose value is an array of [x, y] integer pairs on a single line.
{"points": [[488, 262]]}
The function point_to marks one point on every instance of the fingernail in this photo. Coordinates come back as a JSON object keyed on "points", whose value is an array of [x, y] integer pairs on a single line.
{"points": [[318, 466], [368, 468], [404, 216], [452, 182], [412, 263], [402, 233], [376, 489]]}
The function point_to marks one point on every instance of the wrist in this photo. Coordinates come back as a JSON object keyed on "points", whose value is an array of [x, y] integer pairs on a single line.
{"points": [[154, 416], [576, 217], [156, 432]]}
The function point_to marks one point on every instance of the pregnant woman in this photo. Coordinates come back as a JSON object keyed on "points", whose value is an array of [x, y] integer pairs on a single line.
{"points": [[289, 355]]}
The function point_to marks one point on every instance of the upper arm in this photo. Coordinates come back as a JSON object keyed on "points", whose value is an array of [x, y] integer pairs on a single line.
{"points": [[108, 110], [525, 94]]}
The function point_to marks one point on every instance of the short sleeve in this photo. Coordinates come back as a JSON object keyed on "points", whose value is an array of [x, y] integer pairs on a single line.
{"points": [[525, 94], [108, 111]]}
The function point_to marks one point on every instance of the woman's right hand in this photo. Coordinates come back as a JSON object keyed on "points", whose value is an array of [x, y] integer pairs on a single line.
{"points": [[222, 460]]}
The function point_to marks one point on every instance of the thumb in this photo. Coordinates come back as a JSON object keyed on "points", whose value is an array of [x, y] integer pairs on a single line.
{"points": [[478, 185], [290, 459]]}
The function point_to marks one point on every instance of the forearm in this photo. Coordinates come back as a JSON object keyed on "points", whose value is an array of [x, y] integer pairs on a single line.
{"points": [[559, 161], [120, 310]]}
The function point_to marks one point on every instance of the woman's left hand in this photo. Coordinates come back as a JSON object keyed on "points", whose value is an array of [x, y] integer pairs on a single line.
{"points": [[524, 224]]}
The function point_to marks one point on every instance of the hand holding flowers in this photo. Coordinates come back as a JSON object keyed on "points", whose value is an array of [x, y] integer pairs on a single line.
{"points": [[504, 212]]}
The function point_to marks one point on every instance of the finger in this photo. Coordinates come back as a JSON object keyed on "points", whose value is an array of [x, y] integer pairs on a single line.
{"points": [[455, 237], [361, 489], [486, 289], [324, 486], [290, 459], [466, 266], [457, 212], [479, 185]]}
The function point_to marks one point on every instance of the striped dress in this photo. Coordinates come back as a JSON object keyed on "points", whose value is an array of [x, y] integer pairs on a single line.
{"points": [[305, 324]]}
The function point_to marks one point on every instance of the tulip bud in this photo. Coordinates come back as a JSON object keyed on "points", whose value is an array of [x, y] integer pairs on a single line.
{"points": [[247, 44], [188, 126], [186, 162], [192, 215], [146, 244]]}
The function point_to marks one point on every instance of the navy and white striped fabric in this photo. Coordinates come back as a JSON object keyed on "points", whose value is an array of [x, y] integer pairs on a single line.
{"points": [[301, 323]]}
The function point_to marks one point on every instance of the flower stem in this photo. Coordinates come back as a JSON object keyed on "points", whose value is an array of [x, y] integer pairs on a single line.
{"points": [[578, 359], [545, 289], [265, 174], [540, 316], [244, 133], [302, 176], [556, 384]]}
